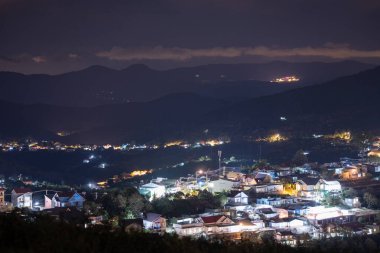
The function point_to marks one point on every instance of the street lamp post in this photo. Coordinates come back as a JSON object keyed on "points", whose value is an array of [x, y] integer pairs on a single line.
{"points": [[196, 175]]}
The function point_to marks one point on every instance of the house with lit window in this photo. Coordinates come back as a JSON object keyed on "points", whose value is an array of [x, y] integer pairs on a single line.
{"points": [[68, 199], [352, 202], [286, 223], [237, 198], [263, 177], [154, 221], [152, 190], [307, 187], [328, 187], [214, 226], [22, 198], [189, 227], [48, 199], [217, 224], [2, 196], [276, 201], [286, 237], [222, 185], [354, 172], [268, 188], [247, 181]]}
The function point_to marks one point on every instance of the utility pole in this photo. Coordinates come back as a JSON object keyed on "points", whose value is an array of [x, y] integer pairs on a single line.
{"points": [[220, 160]]}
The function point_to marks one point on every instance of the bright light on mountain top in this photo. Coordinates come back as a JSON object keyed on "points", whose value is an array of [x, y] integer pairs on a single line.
{"points": [[286, 79]]}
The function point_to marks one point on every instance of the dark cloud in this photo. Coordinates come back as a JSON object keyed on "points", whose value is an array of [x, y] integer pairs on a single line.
{"points": [[181, 54], [178, 30]]}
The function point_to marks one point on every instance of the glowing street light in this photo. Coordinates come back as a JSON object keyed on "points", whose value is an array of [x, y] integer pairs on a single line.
{"points": [[196, 175]]}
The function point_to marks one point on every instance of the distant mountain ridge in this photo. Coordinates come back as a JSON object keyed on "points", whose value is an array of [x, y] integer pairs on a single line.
{"points": [[107, 123], [98, 85], [350, 102]]}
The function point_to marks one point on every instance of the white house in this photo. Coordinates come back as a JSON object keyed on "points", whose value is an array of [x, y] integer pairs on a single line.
{"points": [[286, 223], [269, 201], [66, 199], [189, 227], [22, 197], [222, 185], [286, 237], [154, 221], [328, 186], [307, 187], [214, 225], [152, 190], [48, 199], [321, 215], [352, 202], [266, 212], [268, 188], [282, 213], [237, 198], [262, 177]]}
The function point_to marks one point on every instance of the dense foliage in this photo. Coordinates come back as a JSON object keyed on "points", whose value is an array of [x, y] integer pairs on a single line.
{"points": [[44, 235], [178, 204]]}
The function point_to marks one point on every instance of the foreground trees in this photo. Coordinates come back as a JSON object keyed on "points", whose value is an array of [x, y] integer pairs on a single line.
{"points": [[46, 235]]}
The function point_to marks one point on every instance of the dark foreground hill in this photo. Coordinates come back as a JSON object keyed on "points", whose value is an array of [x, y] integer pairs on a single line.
{"points": [[45, 235], [99, 85]]}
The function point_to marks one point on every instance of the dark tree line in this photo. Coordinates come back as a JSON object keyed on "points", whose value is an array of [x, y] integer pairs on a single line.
{"points": [[46, 235]]}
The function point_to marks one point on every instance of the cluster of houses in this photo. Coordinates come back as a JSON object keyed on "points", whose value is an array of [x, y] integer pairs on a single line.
{"points": [[290, 220], [287, 203], [302, 182], [41, 200]]}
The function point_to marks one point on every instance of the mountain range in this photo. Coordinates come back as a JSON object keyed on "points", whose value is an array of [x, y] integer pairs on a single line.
{"points": [[99, 85], [349, 102]]}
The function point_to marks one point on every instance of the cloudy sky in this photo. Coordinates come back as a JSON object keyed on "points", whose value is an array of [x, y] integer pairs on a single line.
{"points": [[55, 36]]}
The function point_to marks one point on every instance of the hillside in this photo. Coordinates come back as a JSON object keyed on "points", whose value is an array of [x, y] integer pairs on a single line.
{"points": [[102, 124], [349, 102], [99, 85]]}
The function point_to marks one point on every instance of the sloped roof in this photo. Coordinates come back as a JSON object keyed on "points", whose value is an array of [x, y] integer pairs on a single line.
{"points": [[22, 190], [261, 175], [266, 210], [288, 219], [211, 219], [285, 233], [65, 194], [331, 182], [233, 194], [310, 180], [152, 216], [50, 196], [151, 185]]}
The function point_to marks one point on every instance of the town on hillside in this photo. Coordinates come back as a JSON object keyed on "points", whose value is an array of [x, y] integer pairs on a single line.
{"points": [[292, 205]]}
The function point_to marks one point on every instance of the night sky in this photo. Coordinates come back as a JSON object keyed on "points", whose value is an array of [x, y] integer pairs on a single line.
{"points": [[56, 36]]}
